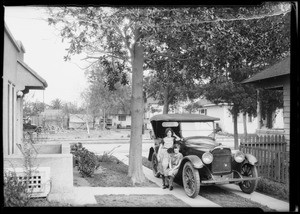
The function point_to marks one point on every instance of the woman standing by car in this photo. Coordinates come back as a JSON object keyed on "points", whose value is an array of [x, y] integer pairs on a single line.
{"points": [[163, 156]]}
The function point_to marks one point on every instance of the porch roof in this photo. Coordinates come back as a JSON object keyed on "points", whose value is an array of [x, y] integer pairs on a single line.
{"points": [[278, 69], [29, 78]]}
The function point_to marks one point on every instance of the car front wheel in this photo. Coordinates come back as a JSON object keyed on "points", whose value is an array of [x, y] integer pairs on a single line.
{"points": [[191, 180], [155, 165], [249, 171]]}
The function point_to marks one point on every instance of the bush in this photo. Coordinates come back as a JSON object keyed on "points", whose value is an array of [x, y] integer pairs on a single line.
{"points": [[87, 161], [273, 189], [15, 192], [108, 156]]}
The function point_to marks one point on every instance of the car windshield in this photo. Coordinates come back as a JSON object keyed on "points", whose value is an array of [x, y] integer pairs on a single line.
{"points": [[191, 129]]}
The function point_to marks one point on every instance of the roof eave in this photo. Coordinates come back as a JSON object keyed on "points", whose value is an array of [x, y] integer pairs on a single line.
{"points": [[45, 84]]}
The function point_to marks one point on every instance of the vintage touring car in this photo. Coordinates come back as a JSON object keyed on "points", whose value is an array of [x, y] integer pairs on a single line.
{"points": [[205, 162]]}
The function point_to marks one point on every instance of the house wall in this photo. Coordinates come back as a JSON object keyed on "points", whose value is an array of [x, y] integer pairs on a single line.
{"points": [[115, 121], [11, 105], [61, 168], [286, 109], [226, 120]]}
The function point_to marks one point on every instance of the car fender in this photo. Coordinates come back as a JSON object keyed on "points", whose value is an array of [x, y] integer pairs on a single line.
{"points": [[251, 159], [195, 160]]}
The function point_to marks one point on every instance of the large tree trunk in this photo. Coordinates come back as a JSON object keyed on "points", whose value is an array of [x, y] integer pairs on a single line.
{"points": [[166, 101], [245, 124], [235, 130], [135, 170]]}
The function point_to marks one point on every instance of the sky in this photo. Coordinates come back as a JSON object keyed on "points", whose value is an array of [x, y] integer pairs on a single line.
{"points": [[44, 52]]}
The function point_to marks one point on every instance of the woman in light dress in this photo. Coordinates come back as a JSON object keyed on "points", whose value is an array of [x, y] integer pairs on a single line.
{"points": [[175, 158], [163, 156]]}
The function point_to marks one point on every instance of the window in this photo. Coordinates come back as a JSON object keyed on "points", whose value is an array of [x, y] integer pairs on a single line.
{"points": [[13, 118], [203, 111], [10, 118], [122, 117]]}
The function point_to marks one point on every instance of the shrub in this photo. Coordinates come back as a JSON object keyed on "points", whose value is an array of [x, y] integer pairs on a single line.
{"points": [[87, 161], [108, 156], [15, 192], [272, 188]]}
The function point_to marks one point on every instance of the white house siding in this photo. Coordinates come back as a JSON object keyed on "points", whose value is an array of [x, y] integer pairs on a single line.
{"points": [[278, 120], [11, 105], [286, 109], [226, 121]]}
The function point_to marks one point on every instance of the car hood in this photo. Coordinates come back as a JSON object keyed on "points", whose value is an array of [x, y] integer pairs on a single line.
{"points": [[201, 143]]}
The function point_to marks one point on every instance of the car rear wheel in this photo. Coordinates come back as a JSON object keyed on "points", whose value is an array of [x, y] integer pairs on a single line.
{"points": [[249, 170], [155, 165], [191, 180]]}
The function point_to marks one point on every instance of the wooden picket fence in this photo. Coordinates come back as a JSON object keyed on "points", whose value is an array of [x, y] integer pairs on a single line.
{"points": [[271, 152]]}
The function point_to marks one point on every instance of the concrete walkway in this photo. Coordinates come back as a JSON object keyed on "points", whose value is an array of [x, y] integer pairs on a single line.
{"points": [[81, 196], [178, 191]]}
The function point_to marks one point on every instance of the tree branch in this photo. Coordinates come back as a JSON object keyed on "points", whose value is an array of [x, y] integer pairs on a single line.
{"points": [[107, 54], [172, 57]]}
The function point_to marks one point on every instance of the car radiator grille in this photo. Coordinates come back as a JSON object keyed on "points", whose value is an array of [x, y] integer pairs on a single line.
{"points": [[222, 161]]}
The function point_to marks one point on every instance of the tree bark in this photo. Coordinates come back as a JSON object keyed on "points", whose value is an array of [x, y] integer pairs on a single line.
{"points": [[235, 130], [103, 121], [87, 121], [166, 101], [245, 124], [135, 170]]}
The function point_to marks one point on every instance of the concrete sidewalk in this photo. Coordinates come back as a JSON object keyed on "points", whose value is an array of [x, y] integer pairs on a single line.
{"points": [[81, 196], [273, 203], [178, 191]]}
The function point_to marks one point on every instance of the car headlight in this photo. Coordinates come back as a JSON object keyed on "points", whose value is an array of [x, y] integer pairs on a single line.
{"points": [[207, 158], [239, 157]]}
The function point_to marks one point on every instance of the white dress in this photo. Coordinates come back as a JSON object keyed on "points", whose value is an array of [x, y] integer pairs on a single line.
{"points": [[163, 155]]}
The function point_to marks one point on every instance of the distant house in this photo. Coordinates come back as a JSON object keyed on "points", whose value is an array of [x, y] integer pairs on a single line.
{"points": [[120, 118], [78, 121], [275, 77], [18, 78], [53, 117], [221, 111], [226, 120]]}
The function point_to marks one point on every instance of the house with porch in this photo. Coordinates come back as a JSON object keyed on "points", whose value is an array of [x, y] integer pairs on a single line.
{"points": [[18, 78], [226, 119], [221, 111], [275, 77], [52, 163]]}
